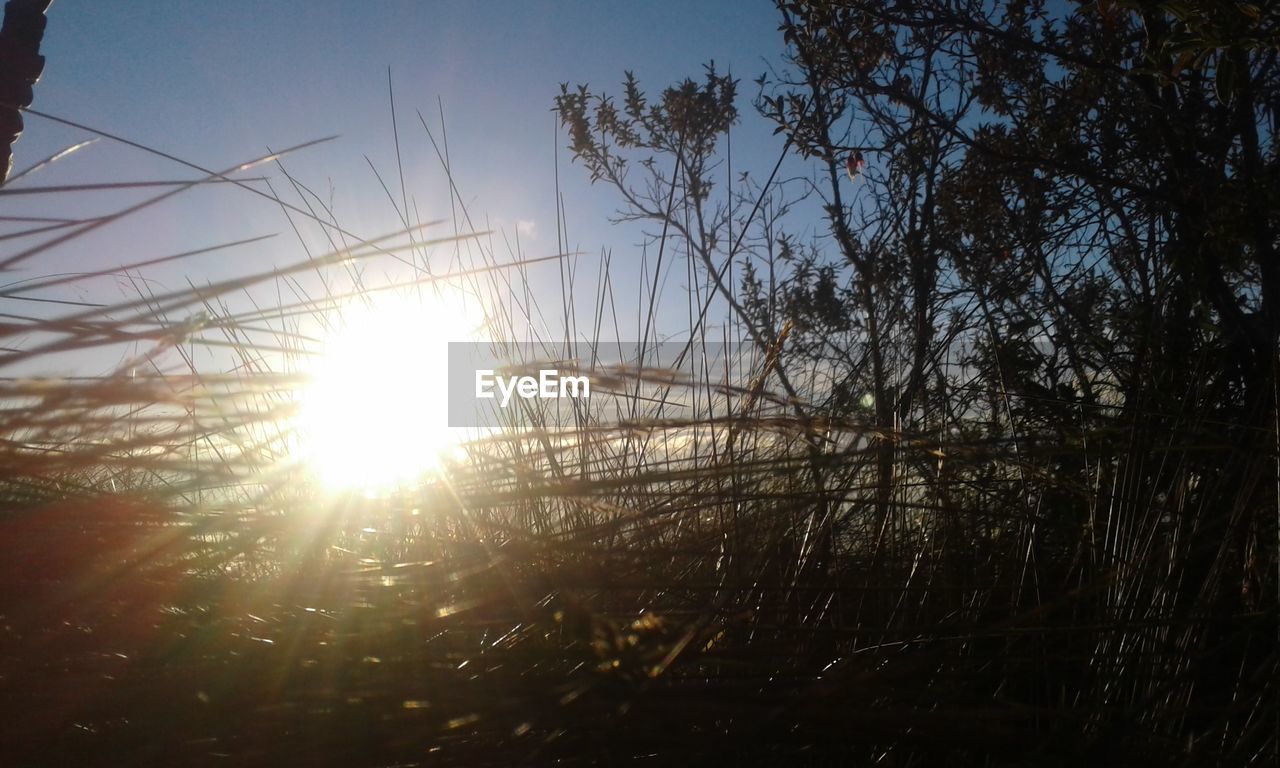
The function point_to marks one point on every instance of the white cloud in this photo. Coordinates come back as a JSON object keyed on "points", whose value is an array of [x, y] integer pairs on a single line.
{"points": [[527, 228]]}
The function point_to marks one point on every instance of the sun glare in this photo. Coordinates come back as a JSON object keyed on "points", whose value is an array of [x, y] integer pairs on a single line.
{"points": [[373, 414]]}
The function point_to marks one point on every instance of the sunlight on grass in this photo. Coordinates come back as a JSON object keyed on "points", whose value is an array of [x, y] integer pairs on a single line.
{"points": [[374, 414]]}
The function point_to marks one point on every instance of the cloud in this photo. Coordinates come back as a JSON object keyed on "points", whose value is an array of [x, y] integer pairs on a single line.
{"points": [[527, 228]]}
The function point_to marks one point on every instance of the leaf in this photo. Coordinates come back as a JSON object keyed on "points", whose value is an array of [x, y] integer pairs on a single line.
{"points": [[1224, 80], [1179, 10]]}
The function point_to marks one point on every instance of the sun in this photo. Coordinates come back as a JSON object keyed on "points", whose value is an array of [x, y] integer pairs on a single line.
{"points": [[373, 412]]}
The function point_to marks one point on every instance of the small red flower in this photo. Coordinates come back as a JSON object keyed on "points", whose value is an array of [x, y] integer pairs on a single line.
{"points": [[854, 163]]}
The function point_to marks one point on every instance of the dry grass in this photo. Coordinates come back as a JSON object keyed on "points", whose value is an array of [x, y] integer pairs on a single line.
{"points": [[706, 585]]}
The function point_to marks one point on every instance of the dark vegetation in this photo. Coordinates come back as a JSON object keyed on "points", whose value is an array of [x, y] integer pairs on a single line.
{"points": [[996, 484]]}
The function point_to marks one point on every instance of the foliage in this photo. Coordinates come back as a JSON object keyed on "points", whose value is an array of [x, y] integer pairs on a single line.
{"points": [[994, 482]]}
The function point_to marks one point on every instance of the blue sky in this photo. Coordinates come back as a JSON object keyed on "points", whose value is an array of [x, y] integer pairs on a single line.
{"points": [[218, 83]]}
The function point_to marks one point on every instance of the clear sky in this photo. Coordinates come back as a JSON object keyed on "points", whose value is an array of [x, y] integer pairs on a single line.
{"points": [[218, 82]]}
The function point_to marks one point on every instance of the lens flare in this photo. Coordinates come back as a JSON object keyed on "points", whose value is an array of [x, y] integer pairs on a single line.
{"points": [[373, 414]]}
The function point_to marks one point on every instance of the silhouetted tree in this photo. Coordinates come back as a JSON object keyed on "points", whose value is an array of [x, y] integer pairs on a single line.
{"points": [[1050, 231]]}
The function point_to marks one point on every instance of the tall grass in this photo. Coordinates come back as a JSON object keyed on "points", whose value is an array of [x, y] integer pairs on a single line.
{"points": [[695, 574]]}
